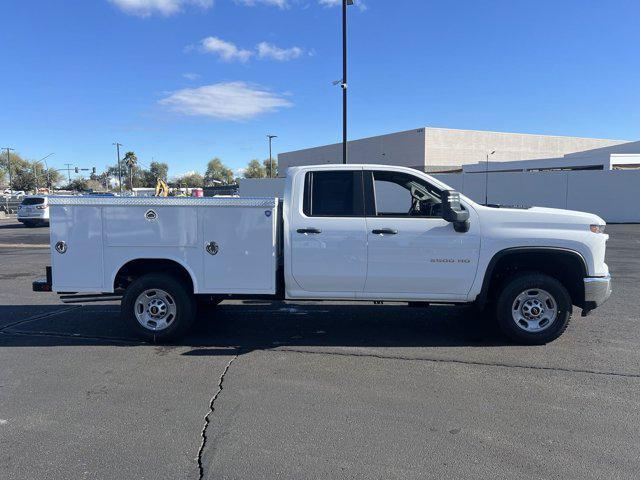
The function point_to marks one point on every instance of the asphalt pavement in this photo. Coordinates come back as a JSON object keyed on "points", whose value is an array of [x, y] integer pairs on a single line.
{"points": [[313, 390]]}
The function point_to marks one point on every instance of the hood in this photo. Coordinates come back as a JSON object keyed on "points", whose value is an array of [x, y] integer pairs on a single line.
{"points": [[542, 216]]}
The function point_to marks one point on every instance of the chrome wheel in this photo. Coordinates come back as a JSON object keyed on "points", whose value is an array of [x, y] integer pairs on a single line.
{"points": [[155, 309], [534, 310]]}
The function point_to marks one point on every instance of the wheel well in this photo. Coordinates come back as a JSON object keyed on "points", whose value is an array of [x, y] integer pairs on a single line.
{"points": [[134, 269], [567, 266]]}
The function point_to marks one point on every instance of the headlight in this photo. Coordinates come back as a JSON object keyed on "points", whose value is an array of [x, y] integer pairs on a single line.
{"points": [[42, 207], [597, 228]]}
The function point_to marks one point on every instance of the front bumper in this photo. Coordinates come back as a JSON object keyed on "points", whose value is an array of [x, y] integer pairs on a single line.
{"points": [[597, 290]]}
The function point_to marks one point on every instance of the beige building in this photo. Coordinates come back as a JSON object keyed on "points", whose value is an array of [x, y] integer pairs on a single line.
{"points": [[443, 149]]}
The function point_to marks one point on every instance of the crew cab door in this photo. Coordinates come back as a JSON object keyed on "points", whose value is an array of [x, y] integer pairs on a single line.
{"points": [[412, 251], [328, 239]]}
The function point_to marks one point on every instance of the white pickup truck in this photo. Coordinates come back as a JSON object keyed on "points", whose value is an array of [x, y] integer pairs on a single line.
{"points": [[341, 232]]}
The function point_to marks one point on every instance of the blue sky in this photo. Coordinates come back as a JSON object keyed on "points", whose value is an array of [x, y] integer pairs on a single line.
{"points": [[182, 81]]}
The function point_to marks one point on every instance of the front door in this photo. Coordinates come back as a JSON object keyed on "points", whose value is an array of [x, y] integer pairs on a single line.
{"points": [[412, 251], [328, 234]]}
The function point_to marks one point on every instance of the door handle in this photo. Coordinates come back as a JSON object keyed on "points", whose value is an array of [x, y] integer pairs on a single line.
{"points": [[384, 231], [306, 231]]}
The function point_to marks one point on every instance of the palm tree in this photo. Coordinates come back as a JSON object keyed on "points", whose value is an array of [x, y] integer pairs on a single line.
{"points": [[131, 161]]}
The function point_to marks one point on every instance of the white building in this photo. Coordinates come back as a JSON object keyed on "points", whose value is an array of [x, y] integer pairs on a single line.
{"points": [[442, 149]]}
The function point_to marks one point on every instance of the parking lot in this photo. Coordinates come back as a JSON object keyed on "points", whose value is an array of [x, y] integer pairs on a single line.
{"points": [[283, 390]]}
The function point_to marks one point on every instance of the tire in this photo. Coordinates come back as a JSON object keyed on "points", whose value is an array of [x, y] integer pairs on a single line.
{"points": [[29, 224], [158, 308], [533, 309]]}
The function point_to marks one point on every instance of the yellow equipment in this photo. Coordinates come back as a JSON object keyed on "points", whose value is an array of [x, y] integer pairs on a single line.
{"points": [[162, 189]]}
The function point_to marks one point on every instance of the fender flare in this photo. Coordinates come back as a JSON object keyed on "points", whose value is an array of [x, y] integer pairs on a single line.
{"points": [[481, 299]]}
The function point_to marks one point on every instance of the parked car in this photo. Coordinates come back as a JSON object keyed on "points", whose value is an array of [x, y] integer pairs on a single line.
{"points": [[34, 211], [341, 232], [13, 193]]}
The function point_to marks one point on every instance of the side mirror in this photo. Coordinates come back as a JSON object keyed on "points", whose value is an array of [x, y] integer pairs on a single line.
{"points": [[453, 212]]}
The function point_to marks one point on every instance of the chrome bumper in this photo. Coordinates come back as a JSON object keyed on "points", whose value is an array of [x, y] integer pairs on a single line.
{"points": [[596, 291]]}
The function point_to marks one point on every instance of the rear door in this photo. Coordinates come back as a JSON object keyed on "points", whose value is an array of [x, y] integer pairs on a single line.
{"points": [[413, 252], [328, 234]]}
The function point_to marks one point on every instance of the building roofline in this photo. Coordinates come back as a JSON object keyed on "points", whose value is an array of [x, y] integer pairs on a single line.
{"points": [[425, 128], [528, 134]]}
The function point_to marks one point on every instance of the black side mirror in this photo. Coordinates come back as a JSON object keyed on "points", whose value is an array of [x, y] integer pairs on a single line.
{"points": [[453, 212]]}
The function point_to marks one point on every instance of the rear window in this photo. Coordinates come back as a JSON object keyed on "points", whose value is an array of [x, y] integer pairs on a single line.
{"points": [[33, 201], [333, 194]]}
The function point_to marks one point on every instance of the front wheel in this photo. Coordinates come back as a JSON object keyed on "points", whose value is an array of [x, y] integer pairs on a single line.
{"points": [[158, 308], [533, 309]]}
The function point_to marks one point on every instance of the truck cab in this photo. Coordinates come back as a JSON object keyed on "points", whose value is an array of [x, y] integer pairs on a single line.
{"points": [[340, 232]]}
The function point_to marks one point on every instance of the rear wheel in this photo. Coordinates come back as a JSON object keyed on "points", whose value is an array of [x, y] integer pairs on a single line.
{"points": [[533, 309], [158, 308]]}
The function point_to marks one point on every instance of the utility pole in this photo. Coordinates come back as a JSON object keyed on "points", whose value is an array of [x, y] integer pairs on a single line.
{"points": [[344, 78], [9, 166], [35, 171], [271, 137], [69, 171], [118, 145]]}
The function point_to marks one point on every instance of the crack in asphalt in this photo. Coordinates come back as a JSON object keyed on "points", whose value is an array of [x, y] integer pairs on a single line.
{"points": [[212, 402], [122, 340], [452, 360], [39, 317]]}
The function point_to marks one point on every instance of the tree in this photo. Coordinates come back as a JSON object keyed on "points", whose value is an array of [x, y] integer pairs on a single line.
{"points": [[267, 168], [79, 184], [25, 174], [189, 180], [159, 170], [131, 161], [254, 170], [216, 170]]}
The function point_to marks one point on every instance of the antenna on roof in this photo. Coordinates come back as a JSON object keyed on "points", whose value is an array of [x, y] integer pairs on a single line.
{"points": [[486, 179]]}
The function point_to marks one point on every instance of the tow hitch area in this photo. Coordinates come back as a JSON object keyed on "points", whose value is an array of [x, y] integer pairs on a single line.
{"points": [[43, 285]]}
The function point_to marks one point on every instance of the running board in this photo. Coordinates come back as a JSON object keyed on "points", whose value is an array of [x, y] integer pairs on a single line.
{"points": [[91, 298]]}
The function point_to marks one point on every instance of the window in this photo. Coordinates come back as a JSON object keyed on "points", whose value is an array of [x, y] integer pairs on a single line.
{"points": [[333, 194], [398, 194], [33, 201]]}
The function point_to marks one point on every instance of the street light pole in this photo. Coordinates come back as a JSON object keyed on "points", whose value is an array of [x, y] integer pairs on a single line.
{"points": [[9, 167], [118, 145], [271, 137], [486, 179], [344, 78], [44, 159]]}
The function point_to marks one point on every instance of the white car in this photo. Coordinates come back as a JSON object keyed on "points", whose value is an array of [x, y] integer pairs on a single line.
{"points": [[34, 211], [13, 193], [341, 232]]}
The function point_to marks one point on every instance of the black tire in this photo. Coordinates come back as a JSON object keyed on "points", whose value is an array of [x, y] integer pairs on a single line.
{"points": [[180, 300], [528, 284], [29, 224]]}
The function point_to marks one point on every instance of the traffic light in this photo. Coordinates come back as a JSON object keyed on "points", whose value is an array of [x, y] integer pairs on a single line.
{"points": [[76, 169], [93, 170]]}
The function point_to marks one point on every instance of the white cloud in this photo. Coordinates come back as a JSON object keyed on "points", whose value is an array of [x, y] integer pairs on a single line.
{"points": [[267, 50], [333, 3], [274, 3], [227, 51], [191, 76], [145, 8], [227, 101]]}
